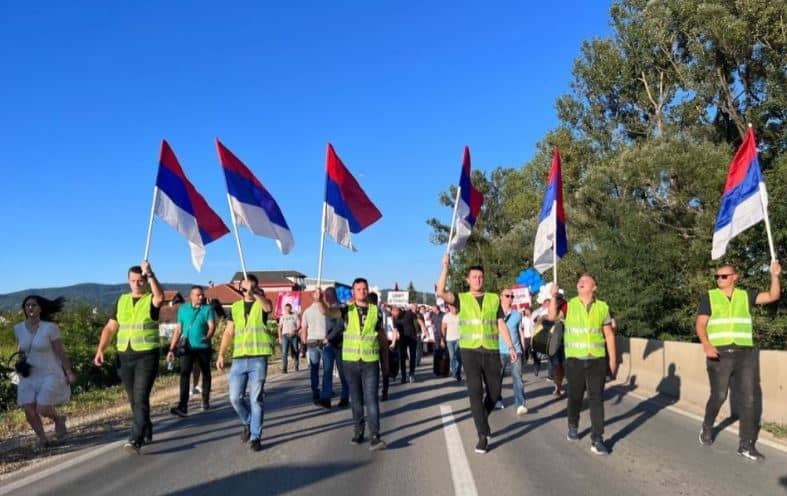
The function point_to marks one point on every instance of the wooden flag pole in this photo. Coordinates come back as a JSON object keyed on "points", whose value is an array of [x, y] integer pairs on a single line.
{"points": [[150, 223]]}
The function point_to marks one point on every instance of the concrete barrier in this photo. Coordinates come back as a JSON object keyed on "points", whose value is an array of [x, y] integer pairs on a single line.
{"points": [[676, 372]]}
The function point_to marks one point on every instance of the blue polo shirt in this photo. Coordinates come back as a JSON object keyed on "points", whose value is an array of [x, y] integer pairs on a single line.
{"points": [[194, 324]]}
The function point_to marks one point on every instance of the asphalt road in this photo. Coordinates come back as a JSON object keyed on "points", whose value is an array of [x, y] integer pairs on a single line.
{"points": [[430, 436]]}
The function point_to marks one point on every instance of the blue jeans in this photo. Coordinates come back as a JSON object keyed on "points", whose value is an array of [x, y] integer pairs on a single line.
{"points": [[331, 355], [455, 357], [516, 378], [315, 355], [286, 343], [251, 371], [364, 378]]}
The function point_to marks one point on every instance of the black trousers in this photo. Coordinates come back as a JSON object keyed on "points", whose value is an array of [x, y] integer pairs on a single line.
{"points": [[138, 371], [200, 356], [581, 376], [407, 349], [737, 369], [482, 374]]}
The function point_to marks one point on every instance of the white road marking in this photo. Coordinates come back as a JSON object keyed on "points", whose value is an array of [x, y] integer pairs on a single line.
{"points": [[464, 485]]}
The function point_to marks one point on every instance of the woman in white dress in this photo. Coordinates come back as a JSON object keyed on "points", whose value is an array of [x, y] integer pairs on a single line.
{"points": [[47, 383]]}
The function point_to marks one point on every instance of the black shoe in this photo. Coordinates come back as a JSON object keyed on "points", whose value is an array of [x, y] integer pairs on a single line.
{"points": [[384, 396], [325, 404], [245, 433], [357, 438], [572, 435], [482, 446], [256, 445], [343, 404], [376, 444], [598, 447], [748, 451], [706, 435], [147, 437], [178, 412], [132, 447], [205, 405], [412, 378]]}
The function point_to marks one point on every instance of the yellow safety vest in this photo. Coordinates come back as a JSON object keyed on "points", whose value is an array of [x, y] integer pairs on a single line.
{"points": [[730, 319], [478, 325], [583, 336], [361, 344], [136, 328], [251, 337]]}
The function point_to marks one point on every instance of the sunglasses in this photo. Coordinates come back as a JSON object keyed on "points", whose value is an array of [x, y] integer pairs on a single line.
{"points": [[723, 276], [507, 296]]}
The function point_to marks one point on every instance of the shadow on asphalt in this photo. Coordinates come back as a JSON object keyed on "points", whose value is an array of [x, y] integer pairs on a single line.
{"points": [[282, 479]]}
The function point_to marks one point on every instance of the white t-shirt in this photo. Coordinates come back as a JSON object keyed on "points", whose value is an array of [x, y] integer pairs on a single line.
{"points": [[527, 327], [314, 322], [289, 323], [451, 322], [38, 347]]}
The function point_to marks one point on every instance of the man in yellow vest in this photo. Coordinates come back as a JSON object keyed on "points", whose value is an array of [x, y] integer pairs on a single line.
{"points": [[134, 321], [589, 342], [364, 344], [724, 327], [481, 323], [252, 345]]}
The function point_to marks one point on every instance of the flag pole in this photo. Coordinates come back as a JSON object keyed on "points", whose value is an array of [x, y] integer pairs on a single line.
{"points": [[554, 246], [237, 237], [322, 244], [453, 219], [764, 204], [150, 222]]}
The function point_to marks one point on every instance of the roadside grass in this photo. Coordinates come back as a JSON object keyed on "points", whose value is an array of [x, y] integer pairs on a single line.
{"points": [[778, 430]]}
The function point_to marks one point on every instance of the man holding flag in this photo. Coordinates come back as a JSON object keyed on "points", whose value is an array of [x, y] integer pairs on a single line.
{"points": [[724, 322]]}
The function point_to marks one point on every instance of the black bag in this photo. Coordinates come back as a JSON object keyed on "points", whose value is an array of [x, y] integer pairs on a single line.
{"points": [[22, 366], [441, 363], [548, 340], [182, 348]]}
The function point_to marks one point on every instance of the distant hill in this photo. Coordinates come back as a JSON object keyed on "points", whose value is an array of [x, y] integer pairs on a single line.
{"points": [[102, 296]]}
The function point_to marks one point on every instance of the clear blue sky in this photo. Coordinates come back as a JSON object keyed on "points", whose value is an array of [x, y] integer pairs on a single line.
{"points": [[89, 90]]}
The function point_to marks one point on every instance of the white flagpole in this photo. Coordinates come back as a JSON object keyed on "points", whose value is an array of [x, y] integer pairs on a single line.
{"points": [[150, 222], [237, 237], [767, 225], [453, 219], [554, 245], [322, 243]]}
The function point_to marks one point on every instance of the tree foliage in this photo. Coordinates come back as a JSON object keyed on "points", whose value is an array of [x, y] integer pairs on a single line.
{"points": [[654, 115]]}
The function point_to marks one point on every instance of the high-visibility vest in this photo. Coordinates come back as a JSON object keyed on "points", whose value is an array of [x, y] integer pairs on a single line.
{"points": [[478, 325], [136, 328], [361, 344], [730, 319], [251, 336], [583, 334]]}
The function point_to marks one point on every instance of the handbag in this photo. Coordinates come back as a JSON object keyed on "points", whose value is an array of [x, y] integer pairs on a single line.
{"points": [[183, 347]]}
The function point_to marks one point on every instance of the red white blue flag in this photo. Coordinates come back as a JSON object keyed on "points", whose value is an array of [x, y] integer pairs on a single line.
{"points": [[468, 208], [252, 205], [180, 205], [347, 208], [745, 199], [551, 221]]}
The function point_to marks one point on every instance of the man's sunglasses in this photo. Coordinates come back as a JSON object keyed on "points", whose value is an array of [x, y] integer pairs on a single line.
{"points": [[507, 296], [723, 276]]}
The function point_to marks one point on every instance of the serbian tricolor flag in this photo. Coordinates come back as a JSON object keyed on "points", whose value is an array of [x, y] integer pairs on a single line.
{"points": [[467, 208], [745, 199], [551, 221], [180, 205], [347, 208], [251, 204]]}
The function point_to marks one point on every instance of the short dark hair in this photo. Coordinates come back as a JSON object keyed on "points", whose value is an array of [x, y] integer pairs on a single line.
{"points": [[287, 305], [196, 286], [252, 278], [135, 269], [475, 267], [359, 280]]}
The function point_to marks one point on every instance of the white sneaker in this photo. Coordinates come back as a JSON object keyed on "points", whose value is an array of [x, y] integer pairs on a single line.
{"points": [[521, 410], [197, 390], [499, 405]]}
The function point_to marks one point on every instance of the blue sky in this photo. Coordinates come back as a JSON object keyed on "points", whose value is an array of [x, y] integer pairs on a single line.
{"points": [[90, 89]]}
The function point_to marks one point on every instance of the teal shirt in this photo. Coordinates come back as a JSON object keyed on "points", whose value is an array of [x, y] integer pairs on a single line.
{"points": [[194, 324]]}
